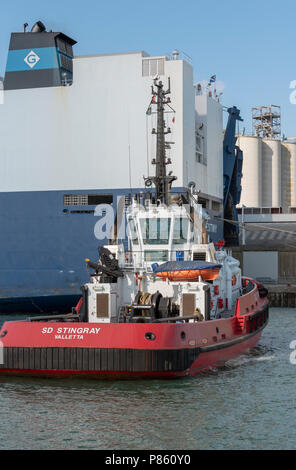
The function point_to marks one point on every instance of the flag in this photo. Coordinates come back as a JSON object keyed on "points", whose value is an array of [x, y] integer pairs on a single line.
{"points": [[213, 79]]}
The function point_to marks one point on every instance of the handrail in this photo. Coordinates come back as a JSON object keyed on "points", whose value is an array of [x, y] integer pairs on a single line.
{"points": [[174, 319], [133, 257], [243, 301]]}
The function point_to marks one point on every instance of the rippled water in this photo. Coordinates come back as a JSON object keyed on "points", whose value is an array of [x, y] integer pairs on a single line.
{"points": [[249, 404]]}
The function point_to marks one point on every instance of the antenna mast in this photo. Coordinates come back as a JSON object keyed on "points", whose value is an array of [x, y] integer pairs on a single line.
{"points": [[161, 181]]}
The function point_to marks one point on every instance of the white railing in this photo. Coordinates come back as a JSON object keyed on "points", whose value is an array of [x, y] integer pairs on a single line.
{"points": [[136, 259]]}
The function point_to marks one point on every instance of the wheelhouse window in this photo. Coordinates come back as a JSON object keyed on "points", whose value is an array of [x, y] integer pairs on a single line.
{"points": [[133, 231], [155, 231], [156, 255], [180, 231]]}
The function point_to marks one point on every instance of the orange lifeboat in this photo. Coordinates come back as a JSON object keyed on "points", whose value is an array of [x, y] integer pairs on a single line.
{"points": [[190, 275], [187, 270]]}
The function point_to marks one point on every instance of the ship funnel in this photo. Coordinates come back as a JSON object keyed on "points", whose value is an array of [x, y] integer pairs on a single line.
{"points": [[39, 58], [38, 27]]}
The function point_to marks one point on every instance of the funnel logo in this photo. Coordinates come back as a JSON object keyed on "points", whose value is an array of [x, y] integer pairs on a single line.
{"points": [[31, 59]]}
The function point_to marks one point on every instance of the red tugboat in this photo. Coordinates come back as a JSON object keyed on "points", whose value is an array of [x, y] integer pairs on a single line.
{"points": [[171, 305]]}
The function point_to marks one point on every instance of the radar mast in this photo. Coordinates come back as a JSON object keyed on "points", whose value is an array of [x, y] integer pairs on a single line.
{"points": [[161, 180]]}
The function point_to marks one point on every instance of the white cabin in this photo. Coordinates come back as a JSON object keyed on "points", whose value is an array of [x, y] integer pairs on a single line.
{"points": [[160, 234]]}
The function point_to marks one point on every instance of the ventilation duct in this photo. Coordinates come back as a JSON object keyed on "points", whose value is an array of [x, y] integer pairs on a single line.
{"points": [[38, 27]]}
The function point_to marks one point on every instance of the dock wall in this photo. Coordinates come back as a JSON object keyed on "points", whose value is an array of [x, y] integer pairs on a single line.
{"points": [[280, 271]]}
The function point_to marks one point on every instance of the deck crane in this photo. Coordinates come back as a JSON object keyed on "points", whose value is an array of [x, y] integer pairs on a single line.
{"points": [[232, 174]]}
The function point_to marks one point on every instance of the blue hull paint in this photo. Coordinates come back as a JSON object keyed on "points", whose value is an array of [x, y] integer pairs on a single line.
{"points": [[44, 304], [43, 248]]}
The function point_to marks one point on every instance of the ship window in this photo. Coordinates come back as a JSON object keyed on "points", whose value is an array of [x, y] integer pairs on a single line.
{"points": [[212, 228], [199, 256], [64, 47], [66, 63], [199, 149], [191, 233], [216, 206], [61, 45], [156, 255], [203, 202], [180, 231], [69, 49], [155, 231], [133, 231]]}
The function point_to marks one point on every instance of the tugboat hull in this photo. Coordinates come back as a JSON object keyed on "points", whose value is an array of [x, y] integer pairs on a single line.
{"points": [[132, 350]]}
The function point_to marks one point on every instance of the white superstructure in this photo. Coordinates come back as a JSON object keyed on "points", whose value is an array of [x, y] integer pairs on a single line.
{"points": [[94, 134], [159, 234]]}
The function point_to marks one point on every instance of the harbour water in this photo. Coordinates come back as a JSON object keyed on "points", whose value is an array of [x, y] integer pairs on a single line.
{"points": [[249, 404]]}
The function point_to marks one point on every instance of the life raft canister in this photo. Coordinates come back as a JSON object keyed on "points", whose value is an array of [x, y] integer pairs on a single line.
{"points": [[189, 270], [190, 274]]}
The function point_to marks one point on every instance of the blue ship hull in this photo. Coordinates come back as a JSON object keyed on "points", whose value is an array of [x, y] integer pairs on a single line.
{"points": [[43, 247]]}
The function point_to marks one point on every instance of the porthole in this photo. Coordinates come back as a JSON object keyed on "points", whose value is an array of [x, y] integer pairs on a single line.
{"points": [[150, 336]]}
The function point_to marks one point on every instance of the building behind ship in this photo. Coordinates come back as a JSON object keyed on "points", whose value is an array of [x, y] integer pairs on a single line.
{"points": [[268, 199]]}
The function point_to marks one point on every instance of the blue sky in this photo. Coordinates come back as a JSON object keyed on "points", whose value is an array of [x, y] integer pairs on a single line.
{"points": [[249, 45]]}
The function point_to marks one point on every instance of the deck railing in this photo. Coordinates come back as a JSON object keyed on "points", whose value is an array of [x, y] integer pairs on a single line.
{"points": [[140, 259]]}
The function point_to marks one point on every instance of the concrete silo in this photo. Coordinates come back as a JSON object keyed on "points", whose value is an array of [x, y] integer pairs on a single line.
{"points": [[289, 148], [252, 170], [271, 173]]}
